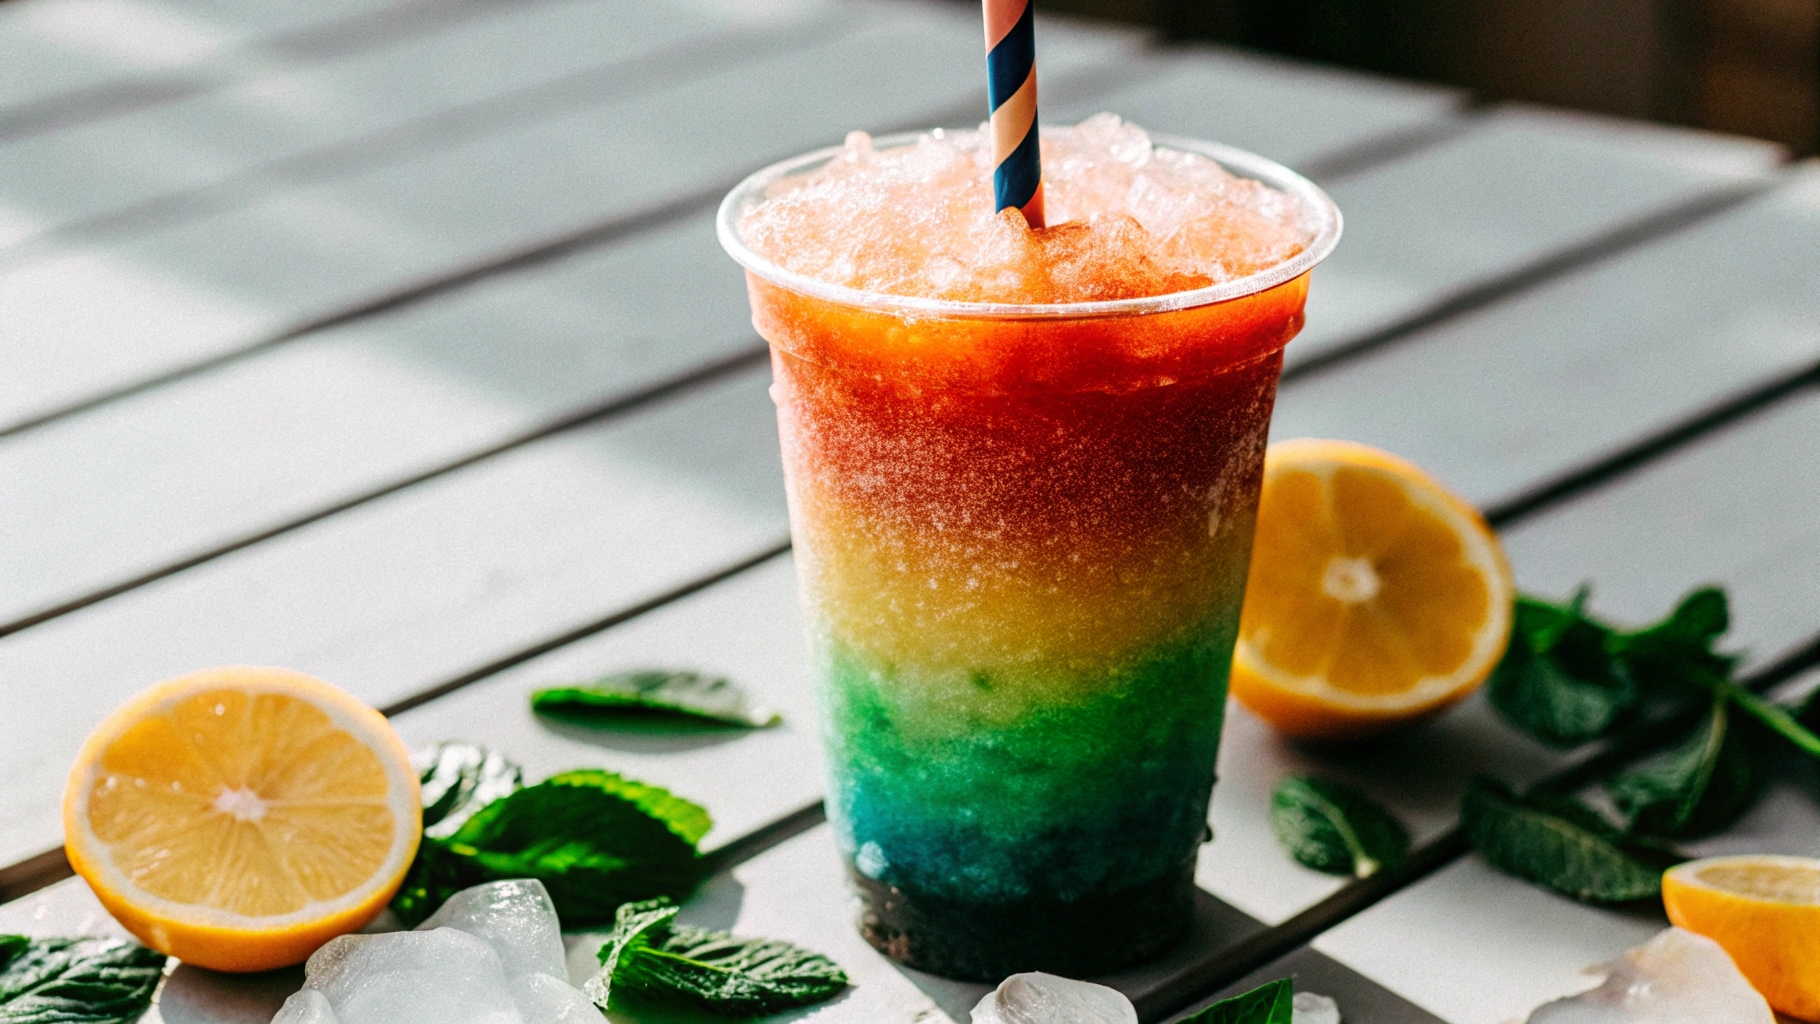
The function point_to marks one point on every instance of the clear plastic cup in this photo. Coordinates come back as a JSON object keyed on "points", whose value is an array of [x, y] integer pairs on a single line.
{"points": [[1022, 534]]}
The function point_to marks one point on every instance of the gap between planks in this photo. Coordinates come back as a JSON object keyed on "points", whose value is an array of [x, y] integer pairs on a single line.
{"points": [[248, 59], [669, 64], [598, 233]]}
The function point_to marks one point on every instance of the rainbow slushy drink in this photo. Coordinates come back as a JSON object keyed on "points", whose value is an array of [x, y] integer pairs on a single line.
{"points": [[1023, 467]]}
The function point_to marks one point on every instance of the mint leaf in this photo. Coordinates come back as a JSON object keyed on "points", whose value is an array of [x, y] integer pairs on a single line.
{"points": [[1562, 845], [1673, 650], [596, 841], [1557, 681], [1698, 787], [1335, 828], [457, 779], [653, 692], [76, 981], [649, 955], [1271, 1003]]}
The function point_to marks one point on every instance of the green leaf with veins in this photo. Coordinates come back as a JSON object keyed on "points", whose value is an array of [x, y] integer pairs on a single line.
{"points": [[648, 693], [456, 779], [1562, 844], [1697, 787], [1335, 828], [76, 981], [595, 839], [1557, 681], [649, 955], [1270, 1003]]}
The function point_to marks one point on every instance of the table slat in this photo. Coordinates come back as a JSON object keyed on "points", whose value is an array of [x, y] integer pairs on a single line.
{"points": [[49, 48], [1524, 184], [1497, 400], [1291, 112], [294, 125], [206, 288], [400, 595]]}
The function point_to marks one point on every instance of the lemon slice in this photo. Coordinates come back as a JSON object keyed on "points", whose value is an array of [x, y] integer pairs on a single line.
{"points": [[1765, 911], [238, 818], [1375, 595]]}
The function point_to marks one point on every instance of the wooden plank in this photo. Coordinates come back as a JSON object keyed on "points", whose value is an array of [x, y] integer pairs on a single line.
{"points": [[1359, 999], [747, 628], [1550, 379], [294, 125], [1521, 185], [72, 60], [206, 288], [1476, 947], [1292, 112], [228, 453], [400, 595]]}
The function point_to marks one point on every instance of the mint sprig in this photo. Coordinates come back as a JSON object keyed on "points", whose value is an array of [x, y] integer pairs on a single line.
{"points": [[1562, 845], [595, 839], [1568, 678], [76, 980], [653, 692], [649, 955], [1558, 680], [1270, 1003], [1332, 827]]}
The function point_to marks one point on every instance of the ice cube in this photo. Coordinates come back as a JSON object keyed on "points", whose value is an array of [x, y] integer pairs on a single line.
{"points": [[1038, 998], [442, 976], [1314, 1009], [1675, 978], [543, 999], [515, 917], [306, 1006]]}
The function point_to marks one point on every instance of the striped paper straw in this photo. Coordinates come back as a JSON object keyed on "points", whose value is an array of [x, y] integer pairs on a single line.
{"points": [[1017, 175]]}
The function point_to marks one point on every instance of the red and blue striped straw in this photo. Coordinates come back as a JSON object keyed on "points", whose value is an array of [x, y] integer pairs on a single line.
{"points": [[1017, 174]]}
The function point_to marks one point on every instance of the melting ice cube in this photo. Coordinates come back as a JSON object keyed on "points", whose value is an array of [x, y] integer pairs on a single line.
{"points": [[1675, 978], [1314, 1009], [1038, 998], [515, 917], [492, 954]]}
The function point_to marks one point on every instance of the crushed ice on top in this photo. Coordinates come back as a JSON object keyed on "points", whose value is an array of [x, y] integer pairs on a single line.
{"points": [[1675, 978], [492, 954], [1125, 219]]}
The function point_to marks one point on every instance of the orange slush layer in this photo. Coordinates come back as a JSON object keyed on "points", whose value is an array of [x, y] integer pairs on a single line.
{"points": [[984, 494]]}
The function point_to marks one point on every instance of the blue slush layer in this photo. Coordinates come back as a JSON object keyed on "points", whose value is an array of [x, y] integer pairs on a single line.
{"points": [[1047, 786]]}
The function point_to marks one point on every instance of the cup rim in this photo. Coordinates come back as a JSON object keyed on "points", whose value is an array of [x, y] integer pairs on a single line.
{"points": [[1317, 208]]}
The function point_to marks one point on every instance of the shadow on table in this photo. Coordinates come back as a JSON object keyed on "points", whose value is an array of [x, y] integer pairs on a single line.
{"points": [[655, 735], [194, 995], [1215, 926]]}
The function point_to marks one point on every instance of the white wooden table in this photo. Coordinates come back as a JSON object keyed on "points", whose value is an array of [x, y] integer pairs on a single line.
{"points": [[389, 340]]}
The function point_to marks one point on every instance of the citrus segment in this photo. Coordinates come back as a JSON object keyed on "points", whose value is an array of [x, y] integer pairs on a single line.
{"points": [[238, 818], [1765, 911], [1374, 596]]}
